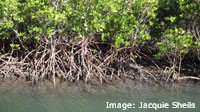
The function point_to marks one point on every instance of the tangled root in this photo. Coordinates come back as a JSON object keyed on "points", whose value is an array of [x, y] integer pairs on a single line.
{"points": [[86, 60]]}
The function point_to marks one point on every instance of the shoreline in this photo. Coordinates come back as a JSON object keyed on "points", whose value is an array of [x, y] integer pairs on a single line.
{"points": [[125, 81]]}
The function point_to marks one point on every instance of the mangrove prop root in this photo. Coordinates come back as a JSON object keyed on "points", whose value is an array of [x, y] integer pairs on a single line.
{"points": [[54, 58]]}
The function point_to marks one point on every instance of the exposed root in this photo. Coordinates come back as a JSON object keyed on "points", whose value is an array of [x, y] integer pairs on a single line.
{"points": [[188, 77], [55, 58]]}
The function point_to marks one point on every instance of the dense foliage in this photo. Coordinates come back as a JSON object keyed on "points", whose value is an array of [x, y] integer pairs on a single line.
{"points": [[121, 22]]}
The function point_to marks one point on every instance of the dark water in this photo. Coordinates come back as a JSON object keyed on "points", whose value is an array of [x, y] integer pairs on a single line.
{"points": [[78, 98]]}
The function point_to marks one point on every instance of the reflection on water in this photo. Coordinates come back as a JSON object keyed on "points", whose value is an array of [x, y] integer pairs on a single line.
{"points": [[86, 98]]}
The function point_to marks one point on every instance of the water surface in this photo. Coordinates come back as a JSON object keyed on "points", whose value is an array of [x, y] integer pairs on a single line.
{"points": [[17, 97]]}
